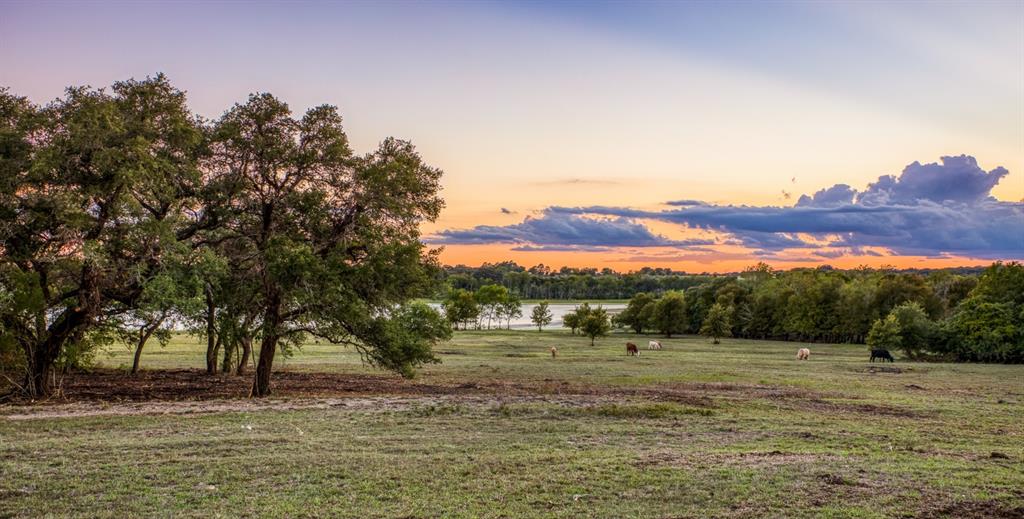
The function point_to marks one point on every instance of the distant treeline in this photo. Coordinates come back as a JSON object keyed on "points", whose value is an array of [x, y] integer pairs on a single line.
{"points": [[966, 314], [543, 282]]}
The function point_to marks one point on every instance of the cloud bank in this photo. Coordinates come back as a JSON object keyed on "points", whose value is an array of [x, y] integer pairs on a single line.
{"points": [[936, 209], [563, 231]]}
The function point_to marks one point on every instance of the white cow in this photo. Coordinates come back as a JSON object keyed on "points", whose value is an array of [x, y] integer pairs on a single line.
{"points": [[654, 345], [803, 354]]}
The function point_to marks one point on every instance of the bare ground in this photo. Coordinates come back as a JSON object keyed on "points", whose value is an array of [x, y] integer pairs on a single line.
{"points": [[182, 391]]}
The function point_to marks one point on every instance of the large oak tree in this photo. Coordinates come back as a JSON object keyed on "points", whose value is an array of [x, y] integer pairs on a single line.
{"points": [[98, 193], [332, 237]]}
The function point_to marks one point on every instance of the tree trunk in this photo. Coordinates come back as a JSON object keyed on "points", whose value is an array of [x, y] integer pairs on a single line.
{"points": [[41, 355], [39, 375], [212, 339], [268, 347], [225, 365], [246, 354], [144, 334]]}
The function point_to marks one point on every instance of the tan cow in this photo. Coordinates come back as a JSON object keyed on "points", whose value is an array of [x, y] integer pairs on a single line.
{"points": [[803, 354], [554, 352]]}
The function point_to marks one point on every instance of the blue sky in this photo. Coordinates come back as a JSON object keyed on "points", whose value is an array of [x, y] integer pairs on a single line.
{"points": [[536, 106]]}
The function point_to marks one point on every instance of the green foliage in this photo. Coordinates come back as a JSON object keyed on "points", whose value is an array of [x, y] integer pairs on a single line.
{"points": [[100, 194], [120, 207], [542, 282], [638, 314], [988, 326], [404, 340], [490, 299], [917, 332], [669, 314], [986, 332], [595, 323], [717, 324], [509, 308], [460, 307], [885, 334], [574, 319], [541, 315], [333, 237]]}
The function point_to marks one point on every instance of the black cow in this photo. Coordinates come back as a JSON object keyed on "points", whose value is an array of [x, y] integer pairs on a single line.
{"points": [[883, 355]]}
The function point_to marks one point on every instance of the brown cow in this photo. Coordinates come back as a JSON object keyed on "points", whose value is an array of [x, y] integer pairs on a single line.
{"points": [[632, 350]]}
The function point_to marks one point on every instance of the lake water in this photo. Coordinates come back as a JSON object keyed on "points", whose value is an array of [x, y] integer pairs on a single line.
{"points": [[558, 311]]}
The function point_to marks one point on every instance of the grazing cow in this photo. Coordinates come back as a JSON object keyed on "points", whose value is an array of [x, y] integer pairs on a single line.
{"points": [[882, 355], [632, 350], [803, 354], [654, 345], [554, 352]]}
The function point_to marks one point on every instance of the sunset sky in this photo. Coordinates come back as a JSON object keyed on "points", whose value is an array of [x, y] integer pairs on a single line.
{"points": [[697, 136]]}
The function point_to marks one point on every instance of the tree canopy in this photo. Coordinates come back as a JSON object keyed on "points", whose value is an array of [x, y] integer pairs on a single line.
{"points": [[121, 207], [541, 315], [595, 323]]}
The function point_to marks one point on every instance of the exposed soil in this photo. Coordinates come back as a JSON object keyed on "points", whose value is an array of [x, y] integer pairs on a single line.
{"points": [[116, 392], [973, 510], [352, 403], [184, 384], [744, 459]]}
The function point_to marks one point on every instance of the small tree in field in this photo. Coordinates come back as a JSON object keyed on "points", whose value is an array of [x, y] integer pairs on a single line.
{"points": [[596, 324], [541, 315], [716, 324], [885, 334], [669, 314], [574, 319], [460, 307], [508, 309], [490, 299]]}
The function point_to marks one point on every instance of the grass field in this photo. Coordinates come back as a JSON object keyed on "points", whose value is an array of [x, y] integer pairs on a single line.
{"points": [[500, 429]]}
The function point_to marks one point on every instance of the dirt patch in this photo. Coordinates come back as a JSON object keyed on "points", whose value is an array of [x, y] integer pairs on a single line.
{"points": [[974, 509], [115, 386], [792, 398], [759, 460], [832, 407], [182, 385], [883, 369], [472, 403]]}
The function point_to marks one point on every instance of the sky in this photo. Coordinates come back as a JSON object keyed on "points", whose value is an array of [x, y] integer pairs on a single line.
{"points": [[698, 136]]}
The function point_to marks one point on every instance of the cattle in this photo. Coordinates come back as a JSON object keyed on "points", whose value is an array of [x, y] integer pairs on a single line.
{"points": [[882, 355], [654, 345], [632, 350], [803, 354], [554, 352]]}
